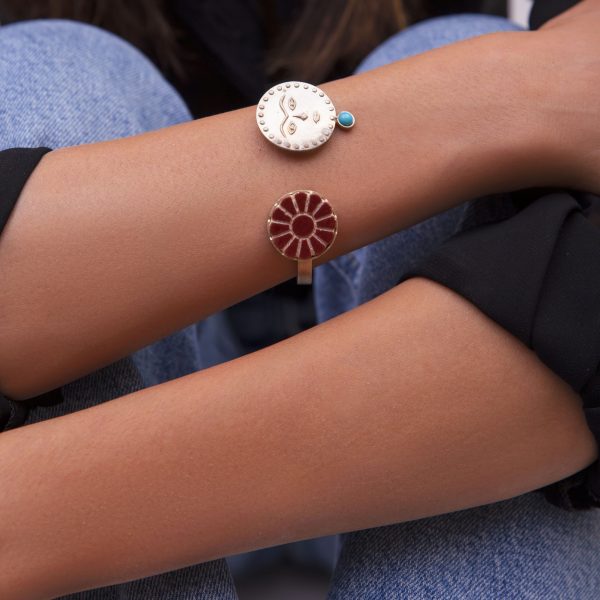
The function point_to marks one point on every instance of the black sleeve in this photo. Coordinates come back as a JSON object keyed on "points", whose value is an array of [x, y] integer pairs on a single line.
{"points": [[537, 274], [16, 165], [544, 10]]}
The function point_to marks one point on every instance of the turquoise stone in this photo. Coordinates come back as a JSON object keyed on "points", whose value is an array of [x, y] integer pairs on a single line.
{"points": [[346, 119]]}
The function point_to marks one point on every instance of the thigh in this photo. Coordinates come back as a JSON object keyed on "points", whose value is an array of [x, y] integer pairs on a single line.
{"points": [[63, 84], [521, 549], [209, 581]]}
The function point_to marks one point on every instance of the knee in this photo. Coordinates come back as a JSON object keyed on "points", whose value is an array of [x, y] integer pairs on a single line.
{"points": [[434, 33], [52, 53], [74, 82], [60, 38]]}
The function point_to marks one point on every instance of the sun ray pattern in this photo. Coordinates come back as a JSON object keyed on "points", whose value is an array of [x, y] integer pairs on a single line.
{"points": [[302, 225]]}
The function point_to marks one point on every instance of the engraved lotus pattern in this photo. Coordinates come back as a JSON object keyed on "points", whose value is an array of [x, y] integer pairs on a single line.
{"points": [[302, 225]]}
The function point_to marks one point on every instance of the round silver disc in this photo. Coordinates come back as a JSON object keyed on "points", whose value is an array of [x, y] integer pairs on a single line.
{"points": [[296, 116]]}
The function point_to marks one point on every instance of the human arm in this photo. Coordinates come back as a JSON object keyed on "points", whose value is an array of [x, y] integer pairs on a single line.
{"points": [[411, 405], [503, 382], [121, 243]]}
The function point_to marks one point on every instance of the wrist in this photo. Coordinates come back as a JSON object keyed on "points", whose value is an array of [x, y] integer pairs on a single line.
{"points": [[534, 130], [493, 99], [432, 131], [505, 111]]}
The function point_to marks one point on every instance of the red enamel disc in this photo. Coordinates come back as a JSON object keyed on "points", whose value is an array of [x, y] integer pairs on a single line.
{"points": [[302, 225]]}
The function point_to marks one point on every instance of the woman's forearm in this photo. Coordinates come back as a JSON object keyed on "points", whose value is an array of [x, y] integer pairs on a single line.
{"points": [[421, 406], [117, 244]]}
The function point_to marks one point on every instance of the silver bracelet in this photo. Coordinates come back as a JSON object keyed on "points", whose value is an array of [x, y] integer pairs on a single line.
{"points": [[298, 116]]}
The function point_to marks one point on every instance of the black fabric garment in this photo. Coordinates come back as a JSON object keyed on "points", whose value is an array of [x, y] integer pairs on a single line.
{"points": [[12, 414], [537, 274], [544, 10], [233, 31], [16, 165], [228, 41]]}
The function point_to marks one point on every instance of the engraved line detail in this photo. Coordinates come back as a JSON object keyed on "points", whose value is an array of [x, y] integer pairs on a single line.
{"points": [[286, 115]]}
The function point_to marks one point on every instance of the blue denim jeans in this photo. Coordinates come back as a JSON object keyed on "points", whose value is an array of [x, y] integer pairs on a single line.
{"points": [[66, 84]]}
